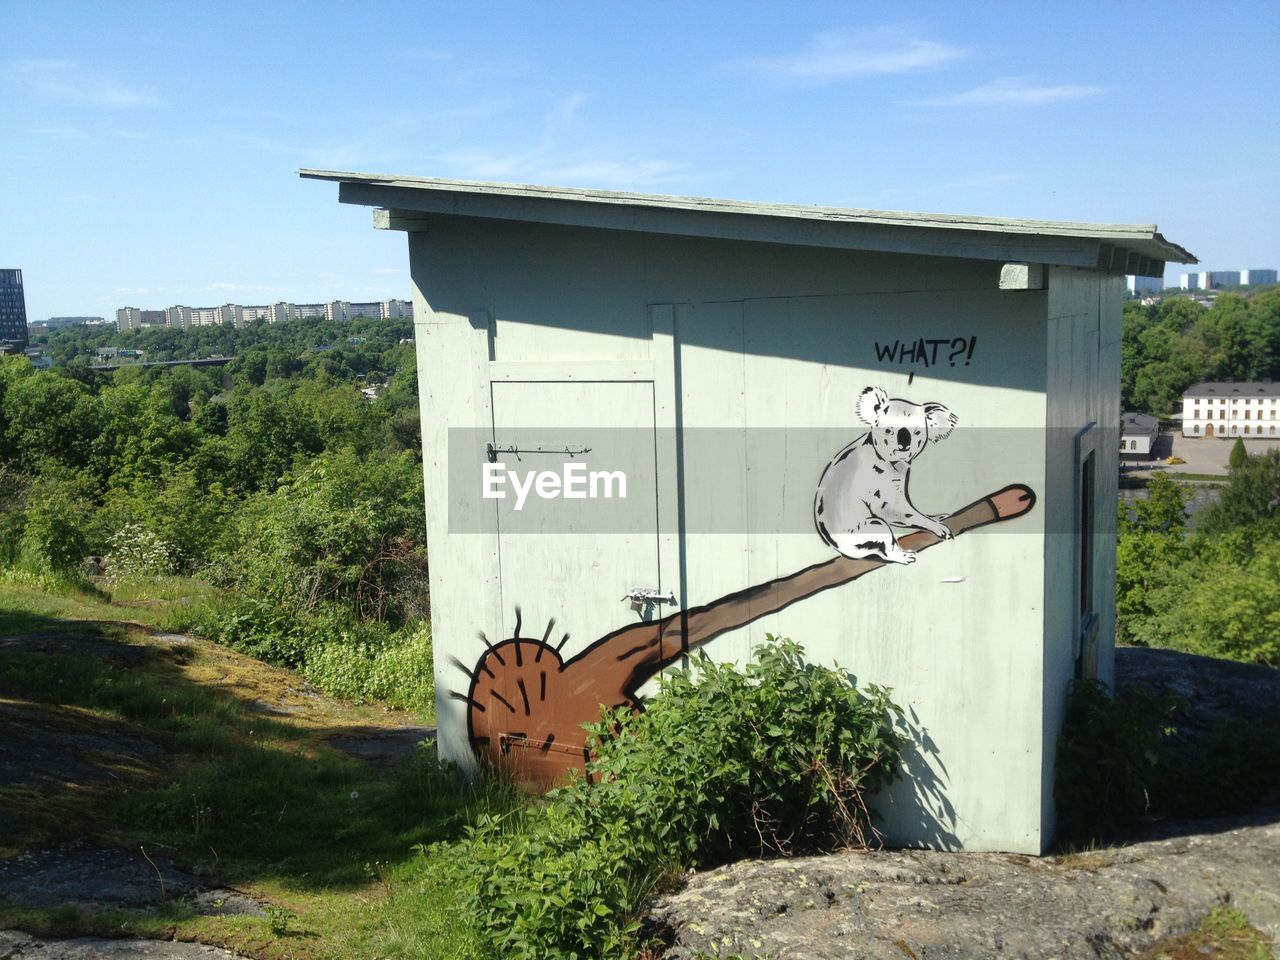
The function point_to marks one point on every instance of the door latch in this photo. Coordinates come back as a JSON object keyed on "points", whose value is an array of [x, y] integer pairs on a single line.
{"points": [[644, 599]]}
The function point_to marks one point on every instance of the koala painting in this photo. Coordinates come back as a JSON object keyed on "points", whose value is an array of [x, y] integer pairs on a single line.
{"points": [[862, 493]]}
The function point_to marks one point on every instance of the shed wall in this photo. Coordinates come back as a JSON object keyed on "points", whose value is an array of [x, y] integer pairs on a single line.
{"points": [[757, 356], [1083, 390]]}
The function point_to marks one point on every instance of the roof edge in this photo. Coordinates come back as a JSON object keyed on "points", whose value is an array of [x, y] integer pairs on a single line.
{"points": [[1110, 233]]}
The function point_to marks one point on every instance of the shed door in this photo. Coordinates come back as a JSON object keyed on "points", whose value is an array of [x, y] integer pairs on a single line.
{"points": [[574, 558]]}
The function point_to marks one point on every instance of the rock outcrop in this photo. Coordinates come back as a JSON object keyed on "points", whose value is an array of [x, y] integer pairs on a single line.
{"points": [[894, 905], [891, 905]]}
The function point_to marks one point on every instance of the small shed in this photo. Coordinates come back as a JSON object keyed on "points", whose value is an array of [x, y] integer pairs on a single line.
{"points": [[654, 425], [1138, 433]]}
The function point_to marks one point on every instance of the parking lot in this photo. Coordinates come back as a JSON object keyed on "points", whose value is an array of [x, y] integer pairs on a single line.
{"points": [[1203, 455]]}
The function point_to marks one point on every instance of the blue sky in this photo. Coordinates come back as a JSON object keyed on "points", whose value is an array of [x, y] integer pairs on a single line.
{"points": [[149, 151]]}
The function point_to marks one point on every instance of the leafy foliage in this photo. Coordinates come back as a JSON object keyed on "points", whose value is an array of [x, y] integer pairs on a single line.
{"points": [[344, 530], [1238, 456], [1169, 346], [1251, 500], [276, 477], [723, 763], [1217, 591], [136, 551], [1124, 758], [1110, 753]]}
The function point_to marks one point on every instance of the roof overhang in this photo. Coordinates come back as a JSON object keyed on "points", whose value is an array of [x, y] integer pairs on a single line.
{"points": [[407, 203]]}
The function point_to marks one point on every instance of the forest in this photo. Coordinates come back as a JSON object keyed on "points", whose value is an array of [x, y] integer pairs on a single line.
{"points": [[285, 501]]}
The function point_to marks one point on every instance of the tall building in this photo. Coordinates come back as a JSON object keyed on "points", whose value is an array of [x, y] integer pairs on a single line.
{"points": [[13, 312], [396, 309], [1136, 285], [1251, 278]]}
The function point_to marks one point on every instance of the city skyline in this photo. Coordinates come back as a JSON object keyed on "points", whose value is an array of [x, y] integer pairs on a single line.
{"points": [[157, 148]]}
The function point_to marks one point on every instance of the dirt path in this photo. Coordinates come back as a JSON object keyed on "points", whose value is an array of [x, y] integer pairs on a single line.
{"points": [[66, 764]]}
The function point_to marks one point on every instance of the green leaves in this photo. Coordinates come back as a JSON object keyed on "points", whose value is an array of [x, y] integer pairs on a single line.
{"points": [[724, 763], [1168, 348]]}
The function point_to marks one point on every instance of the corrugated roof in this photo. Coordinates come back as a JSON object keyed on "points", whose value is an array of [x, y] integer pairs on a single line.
{"points": [[1256, 388], [1117, 248]]}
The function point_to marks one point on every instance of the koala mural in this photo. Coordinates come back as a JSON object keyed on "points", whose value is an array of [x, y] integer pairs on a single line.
{"points": [[528, 701], [862, 493]]}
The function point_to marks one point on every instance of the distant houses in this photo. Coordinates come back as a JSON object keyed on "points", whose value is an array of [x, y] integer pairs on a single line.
{"points": [[1229, 409], [1138, 432], [235, 315]]}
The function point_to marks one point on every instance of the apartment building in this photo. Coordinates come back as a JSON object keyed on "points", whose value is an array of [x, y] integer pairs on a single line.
{"points": [[237, 315]]}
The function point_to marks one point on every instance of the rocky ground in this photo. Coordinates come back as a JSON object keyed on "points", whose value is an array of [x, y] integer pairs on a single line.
{"points": [[1111, 902], [890, 905]]}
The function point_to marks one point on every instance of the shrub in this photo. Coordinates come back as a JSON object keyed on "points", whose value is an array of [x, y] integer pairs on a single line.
{"points": [[254, 626], [1112, 754], [394, 668], [346, 530], [723, 763], [137, 552], [1238, 456], [53, 539]]}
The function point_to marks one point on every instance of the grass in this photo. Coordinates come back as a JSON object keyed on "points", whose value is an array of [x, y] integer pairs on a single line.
{"points": [[1129, 482], [344, 852], [1225, 934]]}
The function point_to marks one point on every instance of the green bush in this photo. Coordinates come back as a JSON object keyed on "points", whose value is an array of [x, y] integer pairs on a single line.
{"points": [[137, 552], [395, 668], [1238, 456], [346, 530], [254, 626], [53, 537], [723, 763], [1112, 755]]}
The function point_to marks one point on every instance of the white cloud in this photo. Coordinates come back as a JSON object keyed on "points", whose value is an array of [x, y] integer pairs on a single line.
{"points": [[238, 287], [1013, 91], [846, 54], [549, 161], [67, 82], [567, 168]]}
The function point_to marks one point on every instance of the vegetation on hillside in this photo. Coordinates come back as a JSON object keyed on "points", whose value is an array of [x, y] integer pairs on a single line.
{"points": [[274, 478], [1215, 590]]}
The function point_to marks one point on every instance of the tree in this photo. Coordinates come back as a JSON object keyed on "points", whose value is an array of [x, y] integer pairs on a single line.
{"points": [[1239, 456], [1220, 606], [50, 416], [348, 529], [1150, 552], [1250, 501]]}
